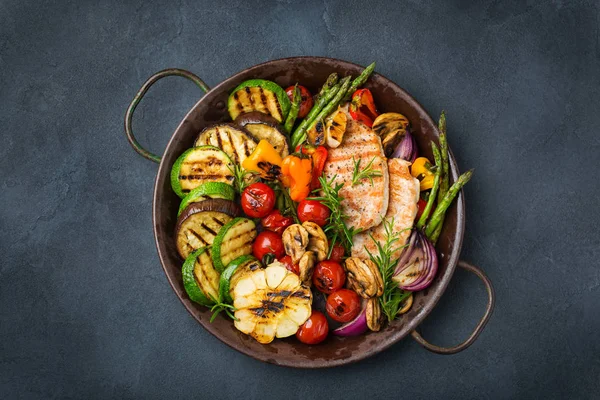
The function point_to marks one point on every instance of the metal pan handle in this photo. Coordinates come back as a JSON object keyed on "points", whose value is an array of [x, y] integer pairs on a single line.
{"points": [[486, 316], [140, 94]]}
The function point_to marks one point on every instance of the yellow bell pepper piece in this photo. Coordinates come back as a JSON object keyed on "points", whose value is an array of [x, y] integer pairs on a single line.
{"points": [[422, 170], [264, 160]]}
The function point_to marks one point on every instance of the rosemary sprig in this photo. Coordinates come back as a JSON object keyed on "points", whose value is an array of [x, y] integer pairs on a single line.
{"points": [[239, 177], [336, 229], [220, 306], [366, 173], [392, 295]]}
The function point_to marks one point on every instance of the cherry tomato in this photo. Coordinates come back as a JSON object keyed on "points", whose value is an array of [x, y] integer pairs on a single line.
{"points": [[337, 254], [268, 242], [314, 211], [258, 200], [307, 101], [328, 276], [343, 305], [314, 330], [276, 222], [420, 207], [287, 261]]}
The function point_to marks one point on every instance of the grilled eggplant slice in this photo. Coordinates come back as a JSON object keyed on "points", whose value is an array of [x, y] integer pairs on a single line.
{"points": [[391, 127], [207, 191], [234, 141], [200, 223], [200, 165], [236, 270], [263, 126], [259, 95], [234, 240], [198, 278], [271, 302]]}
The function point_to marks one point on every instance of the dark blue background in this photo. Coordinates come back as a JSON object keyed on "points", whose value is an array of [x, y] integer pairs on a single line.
{"points": [[85, 309]]}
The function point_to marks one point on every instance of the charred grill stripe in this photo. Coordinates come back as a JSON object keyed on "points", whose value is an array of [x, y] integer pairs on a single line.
{"points": [[300, 294], [219, 140], [208, 229], [203, 177], [263, 99], [230, 141], [238, 103], [247, 151], [199, 237], [278, 107], [218, 221]]}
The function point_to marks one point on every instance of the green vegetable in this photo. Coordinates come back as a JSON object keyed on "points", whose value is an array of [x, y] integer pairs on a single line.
{"points": [[336, 228], [192, 287], [259, 95], [329, 107], [299, 134], [366, 172], [233, 240], [441, 208], [293, 114], [434, 189], [392, 296], [332, 79], [207, 191], [359, 81], [200, 165], [233, 273], [445, 177]]}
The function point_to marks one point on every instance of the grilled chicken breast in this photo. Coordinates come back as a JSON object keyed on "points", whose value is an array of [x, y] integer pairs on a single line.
{"points": [[404, 194], [365, 203]]}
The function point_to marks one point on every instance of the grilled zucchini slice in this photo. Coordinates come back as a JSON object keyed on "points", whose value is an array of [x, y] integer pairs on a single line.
{"points": [[263, 126], [259, 95], [207, 276], [235, 271], [199, 165], [200, 223], [191, 280], [229, 138], [207, 191], [234, 240]]}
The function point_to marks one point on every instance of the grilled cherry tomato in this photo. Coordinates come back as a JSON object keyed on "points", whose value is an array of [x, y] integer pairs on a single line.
{"points": [[268, 242], [258, 200], [314, 211], [306, 103], [328, 276], [362, 107], [287, 261], [337, 253], [314, 330], [420, 207], [276, 222], [343, 305]]}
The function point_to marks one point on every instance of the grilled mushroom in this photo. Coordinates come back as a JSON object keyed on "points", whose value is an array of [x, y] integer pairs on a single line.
{"points": [[317, 241], [373, 314], [306, 267], [295, 240], [391, 127], [364, 277]]}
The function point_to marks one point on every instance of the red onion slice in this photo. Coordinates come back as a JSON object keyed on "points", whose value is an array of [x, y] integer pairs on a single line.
{"points": [[357, 326]]}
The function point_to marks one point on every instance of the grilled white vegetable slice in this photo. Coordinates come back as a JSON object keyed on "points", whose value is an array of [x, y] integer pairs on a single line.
{"points": [[229, 138], [200, 165], [200, 223], [271, 302], [233, 240]]}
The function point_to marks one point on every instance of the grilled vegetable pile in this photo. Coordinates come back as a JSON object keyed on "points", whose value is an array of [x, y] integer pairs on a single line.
{"points": [[300, 193]]}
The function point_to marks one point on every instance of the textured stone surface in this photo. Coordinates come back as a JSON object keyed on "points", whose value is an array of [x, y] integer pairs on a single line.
{"points": [[85, 309]]}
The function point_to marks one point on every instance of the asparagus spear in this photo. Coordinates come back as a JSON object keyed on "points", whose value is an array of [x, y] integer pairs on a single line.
{"points": [[434, 189], [328, 109], [360, 80], [293, 114], [441, 208], [332, 79], [444, 150], [299, 134]]}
